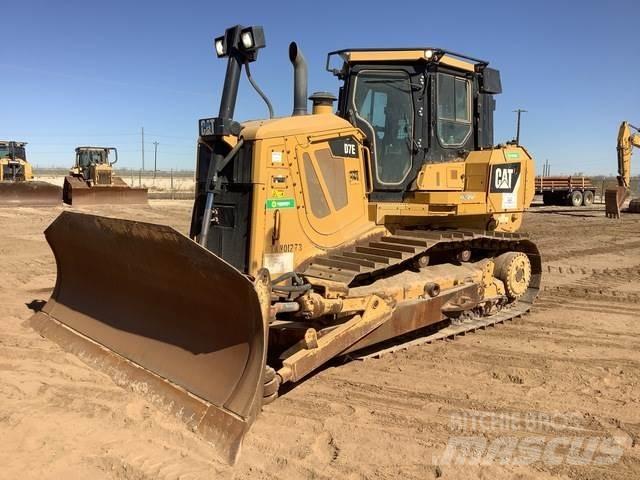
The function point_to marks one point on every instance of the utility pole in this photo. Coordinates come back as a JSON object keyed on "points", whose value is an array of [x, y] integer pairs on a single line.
{"points": [[155, 158], [519, 111], [142, 130]]}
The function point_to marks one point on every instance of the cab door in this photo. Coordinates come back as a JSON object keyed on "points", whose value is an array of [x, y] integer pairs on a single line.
{"points": [[386, 104]]}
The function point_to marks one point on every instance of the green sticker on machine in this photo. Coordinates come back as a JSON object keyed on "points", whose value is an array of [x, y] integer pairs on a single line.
{"points": [[280, 203], [512, 155]]}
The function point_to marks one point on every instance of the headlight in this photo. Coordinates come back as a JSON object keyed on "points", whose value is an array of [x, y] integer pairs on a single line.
{"points": [[240, 42], [428, 54], [247, 40], [219, 44]]}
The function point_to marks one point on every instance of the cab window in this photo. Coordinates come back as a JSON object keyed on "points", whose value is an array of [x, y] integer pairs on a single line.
{"points": [[88, 157], [7, 151], [454, 112], [84, 159], [383, 101]]}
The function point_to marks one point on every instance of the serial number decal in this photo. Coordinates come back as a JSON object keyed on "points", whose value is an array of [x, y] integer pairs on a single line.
{"points": [[278, 262], [287, 248], [276, 157]]}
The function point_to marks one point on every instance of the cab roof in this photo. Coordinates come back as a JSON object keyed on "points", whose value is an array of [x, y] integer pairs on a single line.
{"points": [[93, 148], [423, 54], [17, 144]]}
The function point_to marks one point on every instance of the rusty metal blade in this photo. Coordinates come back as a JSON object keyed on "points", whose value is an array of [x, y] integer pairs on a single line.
{"points": [[29, 194], [78, 193], [614, 200], [154, 306]]}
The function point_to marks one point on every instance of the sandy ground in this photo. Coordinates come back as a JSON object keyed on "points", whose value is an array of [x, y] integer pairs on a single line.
{"points": [[574, 360]]}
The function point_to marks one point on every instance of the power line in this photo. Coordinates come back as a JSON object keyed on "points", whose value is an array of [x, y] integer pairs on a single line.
{"points": [[171, 136], [72, 134], [50, 135], [94, 79], [34, 146]]}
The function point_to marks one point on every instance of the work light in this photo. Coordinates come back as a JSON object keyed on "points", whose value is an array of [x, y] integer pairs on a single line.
{"points": [[219, 44], [252, 38], [247, 40], [240, 42]]}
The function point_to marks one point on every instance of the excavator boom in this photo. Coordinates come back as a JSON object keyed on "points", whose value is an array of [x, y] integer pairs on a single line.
{"points": [[615, 198]]}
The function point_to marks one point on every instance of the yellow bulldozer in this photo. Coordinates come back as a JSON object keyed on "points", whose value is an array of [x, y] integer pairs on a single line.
{"points": [[17, 187], [91, 180], [628, 138], [392, 219]]}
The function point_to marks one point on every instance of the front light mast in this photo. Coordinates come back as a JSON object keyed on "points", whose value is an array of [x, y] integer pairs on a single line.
{"points": [[240, 44]]}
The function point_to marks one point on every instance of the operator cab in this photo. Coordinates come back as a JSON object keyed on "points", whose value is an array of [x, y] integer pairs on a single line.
{"points": [[415, 106], [88, 157], [13, 150], [12, 159]]}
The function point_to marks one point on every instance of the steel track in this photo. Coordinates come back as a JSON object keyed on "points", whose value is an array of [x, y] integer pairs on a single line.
{"points": [[452, 331], [365, 261]]}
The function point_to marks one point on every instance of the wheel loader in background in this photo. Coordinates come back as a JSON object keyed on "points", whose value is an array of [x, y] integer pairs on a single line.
{"points": [[313, 236], [17, 187], [615, 198], [91, 180]]}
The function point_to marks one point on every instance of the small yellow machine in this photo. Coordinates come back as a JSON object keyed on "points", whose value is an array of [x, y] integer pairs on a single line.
{"points": [[17, 187], [91, 180], [628, 138], [13, 162], [391, 218]]}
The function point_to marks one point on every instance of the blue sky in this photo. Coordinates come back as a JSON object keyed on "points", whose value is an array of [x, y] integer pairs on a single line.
{"points": [[89, 72]]}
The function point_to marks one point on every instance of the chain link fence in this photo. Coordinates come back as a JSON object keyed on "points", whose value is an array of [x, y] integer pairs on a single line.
{"points": [[162, 184]]}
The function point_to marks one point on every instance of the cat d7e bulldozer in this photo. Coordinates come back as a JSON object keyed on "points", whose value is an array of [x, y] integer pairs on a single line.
{"points": [[391, 220], [91, 180], [17, 186]]}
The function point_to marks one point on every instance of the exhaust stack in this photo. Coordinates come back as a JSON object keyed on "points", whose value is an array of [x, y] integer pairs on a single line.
{"points": [[300, 77]]}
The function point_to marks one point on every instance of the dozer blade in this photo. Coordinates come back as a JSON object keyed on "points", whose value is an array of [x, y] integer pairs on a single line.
{"points": [[29, 194], [161, 315], [634, 206], [78, 193]]}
